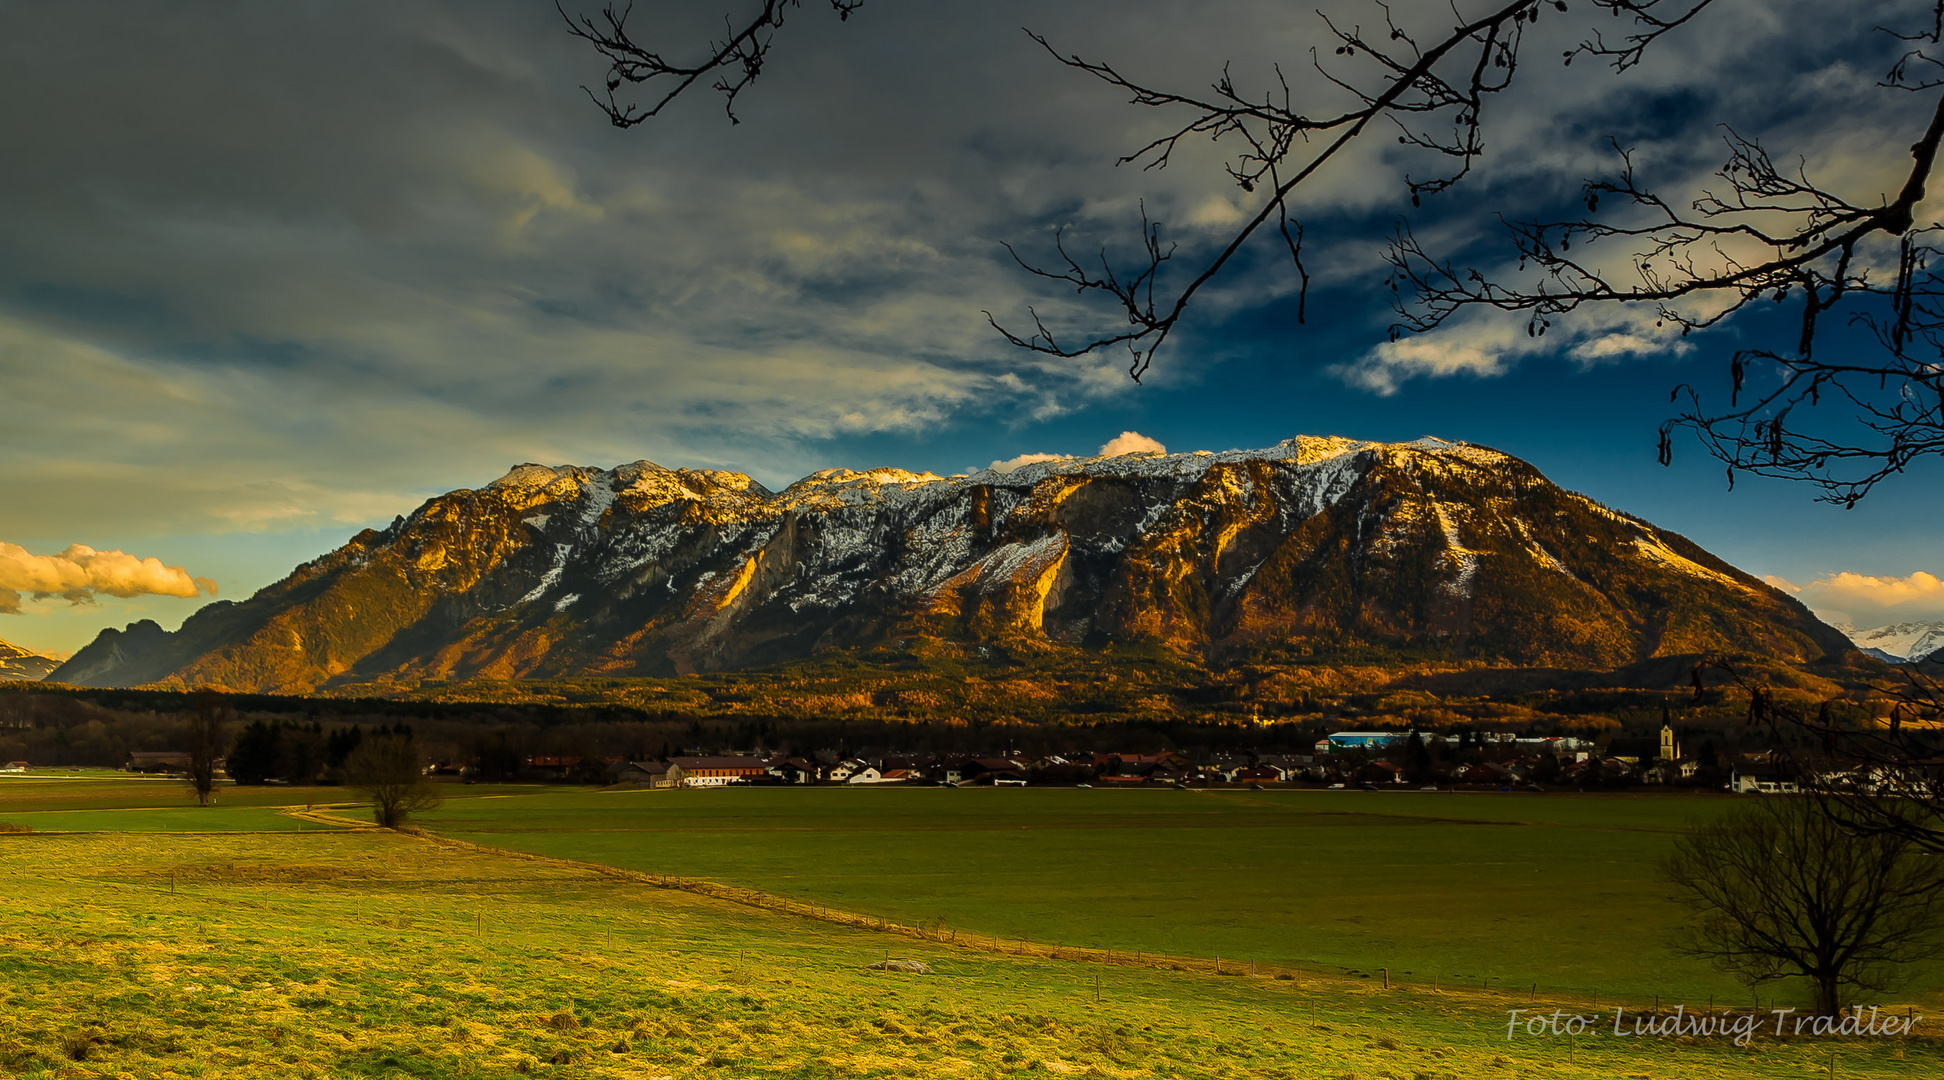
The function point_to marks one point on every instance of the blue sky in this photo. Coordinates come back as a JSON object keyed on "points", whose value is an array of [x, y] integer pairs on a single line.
{"points": [[275, 273]]}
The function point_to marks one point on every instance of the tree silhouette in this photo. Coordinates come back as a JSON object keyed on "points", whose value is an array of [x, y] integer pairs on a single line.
{"points": [[203, 734], [1779, 891], [390, 770]]}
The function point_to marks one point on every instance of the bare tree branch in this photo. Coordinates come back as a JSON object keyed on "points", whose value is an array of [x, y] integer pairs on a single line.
{"points": [[1770, 233], [1433, 96], [1767, 232], [736, 60]]}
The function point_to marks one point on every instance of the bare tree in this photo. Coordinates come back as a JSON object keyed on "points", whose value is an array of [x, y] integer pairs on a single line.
{"points": [[203, 734], [1781, 891], [391, 771]]}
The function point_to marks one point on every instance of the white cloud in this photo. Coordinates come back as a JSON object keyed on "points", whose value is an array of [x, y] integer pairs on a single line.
{"points": [[1131, 442], [1022, 460], [79, 572], [1487, 346], [1127, 442]]}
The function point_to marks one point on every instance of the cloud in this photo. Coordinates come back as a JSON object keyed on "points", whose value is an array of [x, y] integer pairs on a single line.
{"points": [[1867, 600], [1385, 369], [79, 573], [1127, 442], [1010, 464], [1131, 442], [1490, 345]]}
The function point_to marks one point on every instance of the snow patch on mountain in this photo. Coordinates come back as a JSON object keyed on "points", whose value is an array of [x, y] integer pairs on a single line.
{"points": [[1464, 558], [1654, 548]]}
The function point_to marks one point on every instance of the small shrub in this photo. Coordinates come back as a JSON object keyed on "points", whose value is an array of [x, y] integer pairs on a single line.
{"points": [[77, 1046], [564, 1021]]}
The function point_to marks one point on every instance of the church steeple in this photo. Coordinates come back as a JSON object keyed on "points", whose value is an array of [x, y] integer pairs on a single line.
{"points": [[1669, 749]]}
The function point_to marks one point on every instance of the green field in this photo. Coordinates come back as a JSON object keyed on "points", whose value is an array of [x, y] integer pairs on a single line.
{"points": [[116, 802], [1461, 888], [358, 952]]}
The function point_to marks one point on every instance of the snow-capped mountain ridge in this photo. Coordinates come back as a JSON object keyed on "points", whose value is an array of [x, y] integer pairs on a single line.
{"points": [[1312, 543], [1899, 642]]}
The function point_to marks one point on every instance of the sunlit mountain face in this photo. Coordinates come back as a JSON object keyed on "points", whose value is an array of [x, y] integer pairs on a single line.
{"points": [[1421, 549]]}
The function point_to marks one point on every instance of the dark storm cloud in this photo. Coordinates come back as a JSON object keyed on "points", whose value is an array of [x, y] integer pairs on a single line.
{"points": [[276, 264]]}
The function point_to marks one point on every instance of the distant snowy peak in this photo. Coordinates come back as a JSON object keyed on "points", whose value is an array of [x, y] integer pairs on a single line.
{"points": [[23, 664], [1899, 643]]}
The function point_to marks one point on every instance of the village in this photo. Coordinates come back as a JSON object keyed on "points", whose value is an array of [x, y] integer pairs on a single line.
{"points": [[1341, 760]]}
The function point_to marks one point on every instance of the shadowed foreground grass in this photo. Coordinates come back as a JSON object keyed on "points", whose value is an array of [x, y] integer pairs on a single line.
{"points": [[363, 953]]}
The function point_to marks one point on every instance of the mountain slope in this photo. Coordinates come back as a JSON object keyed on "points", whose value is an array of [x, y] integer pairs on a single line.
{"points": [[1425, 549], [18, 663]]}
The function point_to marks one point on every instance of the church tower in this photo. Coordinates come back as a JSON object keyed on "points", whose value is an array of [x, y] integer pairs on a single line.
{"points": [[1669, 749]]}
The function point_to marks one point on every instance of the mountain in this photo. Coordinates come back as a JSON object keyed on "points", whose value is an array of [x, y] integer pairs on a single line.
{"points": [[18, 663], [1315, 547], [1899, 643]]}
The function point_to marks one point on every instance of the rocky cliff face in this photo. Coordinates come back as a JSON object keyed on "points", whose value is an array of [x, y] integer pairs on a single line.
{"points": [[1425, 549]]}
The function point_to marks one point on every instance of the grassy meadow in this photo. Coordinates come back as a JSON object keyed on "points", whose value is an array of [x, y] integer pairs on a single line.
{"points": [[339, 951], [1510, 889], [116, 802]]}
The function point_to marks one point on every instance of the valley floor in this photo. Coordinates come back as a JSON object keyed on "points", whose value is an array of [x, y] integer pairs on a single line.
{"points": [[357, 952]]}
